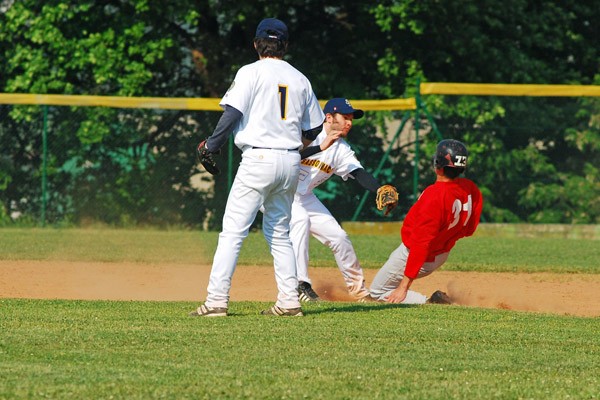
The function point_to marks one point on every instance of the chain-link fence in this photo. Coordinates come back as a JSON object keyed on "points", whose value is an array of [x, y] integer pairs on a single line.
{"points": [[132, 164], [77, 165], [82, 165]]}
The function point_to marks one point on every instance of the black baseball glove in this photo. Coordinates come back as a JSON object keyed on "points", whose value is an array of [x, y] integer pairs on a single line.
{"points": [[205, 158]]}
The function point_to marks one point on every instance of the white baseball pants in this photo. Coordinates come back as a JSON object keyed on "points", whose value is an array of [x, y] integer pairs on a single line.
{"points": [[389, 276], [310, 216], [265, 177]]}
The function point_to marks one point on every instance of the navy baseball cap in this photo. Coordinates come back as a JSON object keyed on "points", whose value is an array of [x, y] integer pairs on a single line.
{"points": [[342, 106], [272, 28]]}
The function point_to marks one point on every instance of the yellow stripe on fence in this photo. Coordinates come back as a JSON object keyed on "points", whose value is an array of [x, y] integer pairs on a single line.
{"points": [[385, 105], [207, 104], [484, 89], [382, 105], [212, 104]]}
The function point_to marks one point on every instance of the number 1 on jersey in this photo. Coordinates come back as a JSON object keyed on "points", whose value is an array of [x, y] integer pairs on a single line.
{"points": [[283, 100]]}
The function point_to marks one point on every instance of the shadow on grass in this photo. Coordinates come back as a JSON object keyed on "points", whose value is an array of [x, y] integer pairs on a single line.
{"points": [[326, 307], [244, 309]]}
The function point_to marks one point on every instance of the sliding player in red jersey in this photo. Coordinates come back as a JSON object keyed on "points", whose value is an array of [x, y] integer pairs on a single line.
{"points": [[446, 211]]}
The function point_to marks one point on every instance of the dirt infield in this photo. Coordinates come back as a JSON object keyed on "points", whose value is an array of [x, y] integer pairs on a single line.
{"points": [[567, 294]]}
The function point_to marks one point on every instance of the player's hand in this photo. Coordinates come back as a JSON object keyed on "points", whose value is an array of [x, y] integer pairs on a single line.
{"points": [[398, 295], [330, 139], [205, 157]]}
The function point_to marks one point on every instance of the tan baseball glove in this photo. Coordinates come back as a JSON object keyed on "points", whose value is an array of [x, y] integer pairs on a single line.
{"points": [[387, 198]]}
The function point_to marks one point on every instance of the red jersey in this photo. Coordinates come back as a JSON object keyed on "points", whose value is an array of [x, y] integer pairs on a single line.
{"points": [[444, 213]]}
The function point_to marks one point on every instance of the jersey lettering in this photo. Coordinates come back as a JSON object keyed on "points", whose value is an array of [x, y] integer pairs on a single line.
{"points": [[457, 207], [283, 100], [317, 164]]}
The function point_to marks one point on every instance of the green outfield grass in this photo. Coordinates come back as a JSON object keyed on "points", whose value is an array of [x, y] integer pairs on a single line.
{"points": [[145, 350], [491, 254], [142, 350]]}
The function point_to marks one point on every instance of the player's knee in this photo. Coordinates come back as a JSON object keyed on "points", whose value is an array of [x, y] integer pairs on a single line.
{"points": [[338, 239], [301, 225]]}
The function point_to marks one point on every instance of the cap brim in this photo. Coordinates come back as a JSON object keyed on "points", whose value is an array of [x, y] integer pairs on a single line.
{"points": [[358, 114]]}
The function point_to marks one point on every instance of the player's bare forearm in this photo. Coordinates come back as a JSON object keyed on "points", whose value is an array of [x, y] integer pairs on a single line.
{"points": [[399, 294]]}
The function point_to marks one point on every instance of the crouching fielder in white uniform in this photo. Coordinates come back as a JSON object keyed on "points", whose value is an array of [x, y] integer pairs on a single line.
{"points": [[310, 216]]}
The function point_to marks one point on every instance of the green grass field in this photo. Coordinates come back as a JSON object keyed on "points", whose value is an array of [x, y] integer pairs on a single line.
{"points": [[489, 254], [141, 350]]}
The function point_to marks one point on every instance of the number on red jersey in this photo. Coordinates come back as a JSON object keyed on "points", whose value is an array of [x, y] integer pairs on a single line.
{"points": [[458, 207]]}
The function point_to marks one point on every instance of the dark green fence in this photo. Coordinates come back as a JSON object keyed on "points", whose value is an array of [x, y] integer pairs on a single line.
{"points": [[131, 161], [81, 165]]}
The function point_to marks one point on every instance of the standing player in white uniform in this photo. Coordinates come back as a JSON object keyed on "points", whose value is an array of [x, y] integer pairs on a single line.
{"points": [[310, 216], [272, 111]]}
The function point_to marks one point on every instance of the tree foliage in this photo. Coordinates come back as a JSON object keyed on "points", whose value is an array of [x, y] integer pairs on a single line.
{"points": [[521, 147], [534, 158]]}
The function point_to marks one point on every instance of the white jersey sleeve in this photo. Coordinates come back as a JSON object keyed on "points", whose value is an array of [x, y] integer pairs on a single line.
{"points": [[346, 160], [314, 116], [240, 93], [339, 159]]}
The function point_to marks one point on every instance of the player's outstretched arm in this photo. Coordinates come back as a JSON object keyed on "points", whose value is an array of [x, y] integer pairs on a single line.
{"points": [[365, 179]]}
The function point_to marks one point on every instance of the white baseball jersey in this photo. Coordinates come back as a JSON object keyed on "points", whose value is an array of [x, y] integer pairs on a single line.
{"points": [[338, 159], [309, 215], [280, 100]]}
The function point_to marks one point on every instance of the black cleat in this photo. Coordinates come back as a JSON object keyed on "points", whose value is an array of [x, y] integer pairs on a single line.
{"points": [[306, 292], [439, 297]]}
